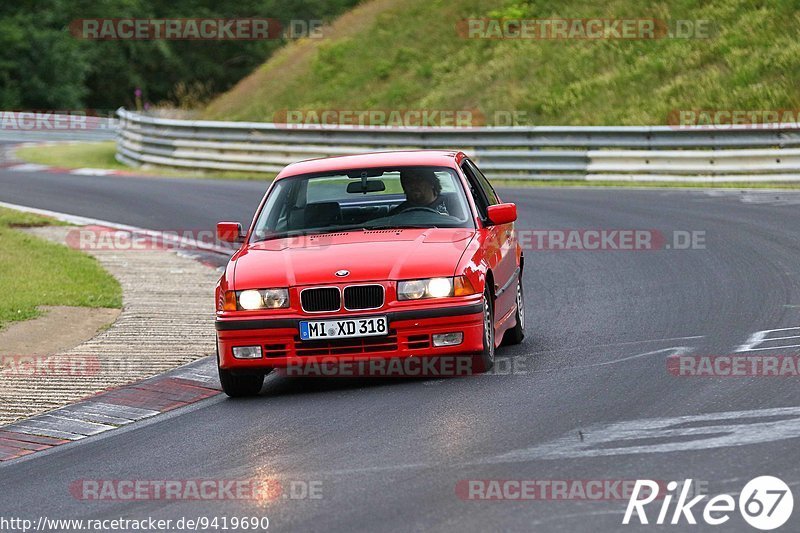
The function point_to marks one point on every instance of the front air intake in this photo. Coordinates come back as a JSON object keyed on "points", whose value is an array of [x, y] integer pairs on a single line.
{"points": [[361, 297], [320, 300]]}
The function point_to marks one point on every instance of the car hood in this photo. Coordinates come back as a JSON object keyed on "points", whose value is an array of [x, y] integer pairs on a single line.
{"points": [[368, 255]]}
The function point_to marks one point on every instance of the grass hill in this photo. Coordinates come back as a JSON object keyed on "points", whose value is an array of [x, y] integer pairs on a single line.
{"points": [[408, 54]]}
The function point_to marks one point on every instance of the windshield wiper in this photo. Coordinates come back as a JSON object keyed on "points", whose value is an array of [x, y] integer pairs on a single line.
{"points": [[303, 233], [359, 227]]}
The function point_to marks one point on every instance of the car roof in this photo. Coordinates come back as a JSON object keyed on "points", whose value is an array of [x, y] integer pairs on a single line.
{"points": [[439, 158]]}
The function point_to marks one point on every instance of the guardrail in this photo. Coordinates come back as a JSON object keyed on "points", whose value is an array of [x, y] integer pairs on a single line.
{"points": [[641, 153], [39, 126]]}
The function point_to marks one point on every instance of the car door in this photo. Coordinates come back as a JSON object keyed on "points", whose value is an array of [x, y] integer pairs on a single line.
{"points": [[499, 245]]}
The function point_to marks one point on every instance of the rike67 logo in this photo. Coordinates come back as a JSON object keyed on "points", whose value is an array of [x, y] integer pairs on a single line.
{"points": [[765, 503]]}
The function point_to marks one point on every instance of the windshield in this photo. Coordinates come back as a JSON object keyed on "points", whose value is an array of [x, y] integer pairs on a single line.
{"points": [[358, 199]]}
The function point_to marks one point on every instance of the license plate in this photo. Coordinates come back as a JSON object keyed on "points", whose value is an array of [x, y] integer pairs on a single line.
{"points": [[345, 328]]}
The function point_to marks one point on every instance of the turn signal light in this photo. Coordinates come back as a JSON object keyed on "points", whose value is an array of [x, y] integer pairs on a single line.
{"points": [[463, 287], [229, 302]]}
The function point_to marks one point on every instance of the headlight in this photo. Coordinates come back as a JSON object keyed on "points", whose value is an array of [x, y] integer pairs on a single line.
{"points": [[425, 288], [263, 299], [412, 290], [276, 298], [440, 287], [251, 300], [434, 288]]}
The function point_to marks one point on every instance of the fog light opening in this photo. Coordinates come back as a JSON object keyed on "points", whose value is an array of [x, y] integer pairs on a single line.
{"points": [[247, 352], [448, 339]]}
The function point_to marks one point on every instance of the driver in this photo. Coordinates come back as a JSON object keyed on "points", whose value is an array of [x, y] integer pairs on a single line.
{"points": [[422, 189]]}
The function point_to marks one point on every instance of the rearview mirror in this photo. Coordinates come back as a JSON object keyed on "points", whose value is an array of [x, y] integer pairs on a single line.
{"points": [[366, 186], [230, 232], [502, 213]]}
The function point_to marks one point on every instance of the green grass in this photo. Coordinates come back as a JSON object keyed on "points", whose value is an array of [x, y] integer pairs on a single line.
{"points": [[407, 54], [35, 272], [101, 155], [73, 155], [19, 219]]}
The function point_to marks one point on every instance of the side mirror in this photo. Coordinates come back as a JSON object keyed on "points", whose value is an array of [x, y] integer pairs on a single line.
{"points": [[230, 232], [502, 214]]}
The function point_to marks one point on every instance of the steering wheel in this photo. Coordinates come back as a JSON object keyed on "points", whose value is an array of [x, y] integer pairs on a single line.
{"points": [[420, 208]]}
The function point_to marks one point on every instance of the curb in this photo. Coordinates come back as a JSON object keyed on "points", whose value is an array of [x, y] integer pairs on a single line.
{"points": [[110, 409]]}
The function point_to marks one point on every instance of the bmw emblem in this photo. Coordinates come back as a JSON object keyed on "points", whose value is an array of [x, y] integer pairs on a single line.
{"points": [[341, 273]]}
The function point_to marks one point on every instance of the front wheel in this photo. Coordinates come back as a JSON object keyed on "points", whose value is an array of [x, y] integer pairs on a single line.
{"points": [[240, 385], [485, 360]]}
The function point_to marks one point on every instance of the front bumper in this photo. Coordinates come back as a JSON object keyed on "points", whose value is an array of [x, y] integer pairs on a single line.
{"points": [[410, 335]]}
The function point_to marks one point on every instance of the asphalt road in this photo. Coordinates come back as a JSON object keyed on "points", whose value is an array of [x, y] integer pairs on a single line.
{"points": [[576, 401]]}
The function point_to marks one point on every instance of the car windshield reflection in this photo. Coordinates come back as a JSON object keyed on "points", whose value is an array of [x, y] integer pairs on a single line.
{"points": [[364, 199]]}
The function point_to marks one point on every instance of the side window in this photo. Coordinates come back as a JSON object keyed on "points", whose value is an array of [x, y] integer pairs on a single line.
{"points": [[491, 196], [475, 190]]}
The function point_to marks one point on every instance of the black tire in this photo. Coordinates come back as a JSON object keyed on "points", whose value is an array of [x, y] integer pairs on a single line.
{"points": [[484, 361], [239, 385], [517, 333]]}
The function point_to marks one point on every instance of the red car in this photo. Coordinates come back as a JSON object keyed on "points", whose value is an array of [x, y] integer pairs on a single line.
{"points": [[383, 257]]}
